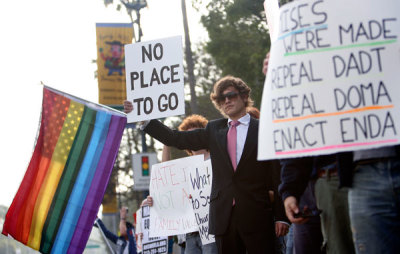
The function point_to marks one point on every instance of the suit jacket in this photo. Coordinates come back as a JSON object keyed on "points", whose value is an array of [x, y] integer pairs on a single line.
{"points": [[248, 185]]}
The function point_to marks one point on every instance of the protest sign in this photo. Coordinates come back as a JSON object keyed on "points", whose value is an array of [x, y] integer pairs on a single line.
{"points": [[139, 230], [151, 245], [141, 164], [200, 176], [332, 79], [271, 8], [154, 79], [172, 213]]}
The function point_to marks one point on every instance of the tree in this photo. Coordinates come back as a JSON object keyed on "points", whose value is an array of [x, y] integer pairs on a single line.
{"points": [[238, 39]]}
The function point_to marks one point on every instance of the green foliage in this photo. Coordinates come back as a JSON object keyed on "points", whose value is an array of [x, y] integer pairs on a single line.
{"points": [[239, 40], [207, 73]]}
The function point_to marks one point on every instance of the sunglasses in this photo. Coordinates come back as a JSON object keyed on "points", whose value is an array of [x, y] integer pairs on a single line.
{"points": [[229, 95]]}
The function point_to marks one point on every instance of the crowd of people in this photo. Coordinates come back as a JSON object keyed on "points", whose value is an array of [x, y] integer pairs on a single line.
{"points": [[243, 216], [340, 203]]}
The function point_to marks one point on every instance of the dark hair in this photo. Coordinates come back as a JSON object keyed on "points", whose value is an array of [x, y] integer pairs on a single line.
{"points": [[229, 81], [193, 122]]}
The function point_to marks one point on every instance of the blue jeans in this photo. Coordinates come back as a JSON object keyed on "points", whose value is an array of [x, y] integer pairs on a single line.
{"points": [[289, 241], [280, 243], [335, 221], [307, 237], [194, 245], [374, 205]]}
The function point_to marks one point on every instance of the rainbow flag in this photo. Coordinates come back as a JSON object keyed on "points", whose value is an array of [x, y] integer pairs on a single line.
{"points": [[61, 192]]}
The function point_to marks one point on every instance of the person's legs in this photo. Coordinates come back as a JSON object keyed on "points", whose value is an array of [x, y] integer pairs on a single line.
{"points": [[210, 248], [335, 221], [289, 241], [374, 204], [280, 243], [259, 243], [231, 242], [193, 244], [307, 237], [235, 241]]}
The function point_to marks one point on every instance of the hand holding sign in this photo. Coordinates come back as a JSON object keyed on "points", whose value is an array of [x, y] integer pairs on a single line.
{"points": [[154, 79]]}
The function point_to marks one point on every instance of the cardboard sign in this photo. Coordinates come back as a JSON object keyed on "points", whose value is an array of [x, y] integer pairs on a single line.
{"points": [[139, 231], [141, 164], [171, 213], [271, 8], [200, 188], [154, 79], [151, 245], [332, 81]]}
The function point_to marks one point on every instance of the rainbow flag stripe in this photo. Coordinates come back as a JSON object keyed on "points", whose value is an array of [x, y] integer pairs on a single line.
{"points": [[59, 197]]}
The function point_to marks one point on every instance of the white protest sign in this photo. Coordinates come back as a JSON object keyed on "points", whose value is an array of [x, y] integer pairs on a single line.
{"points": [[154, 79], [172, 213], [141, 164], [333, 79], [151, 245], [271, 8], [200, 176], [139, 230]]}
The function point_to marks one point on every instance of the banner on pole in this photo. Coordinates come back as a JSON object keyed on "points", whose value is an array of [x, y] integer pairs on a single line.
{"points": [[111, 38]]}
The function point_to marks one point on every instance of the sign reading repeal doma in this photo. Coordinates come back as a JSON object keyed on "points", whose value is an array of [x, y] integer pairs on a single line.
{"points": [[333, 79], [154, 79]]}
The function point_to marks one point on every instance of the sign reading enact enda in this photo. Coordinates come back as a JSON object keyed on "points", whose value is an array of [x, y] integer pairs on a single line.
{"points": [[333, 79], [154, 78]]}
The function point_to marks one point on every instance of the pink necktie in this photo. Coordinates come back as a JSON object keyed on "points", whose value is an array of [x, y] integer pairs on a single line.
{"points": [[231, 142]]}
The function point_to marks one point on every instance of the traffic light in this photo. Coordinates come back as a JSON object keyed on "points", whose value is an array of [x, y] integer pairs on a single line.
{"points": [[145, 165]]}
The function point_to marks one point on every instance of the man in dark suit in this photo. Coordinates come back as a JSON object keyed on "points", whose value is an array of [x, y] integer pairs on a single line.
{"points": [[241, 212]]}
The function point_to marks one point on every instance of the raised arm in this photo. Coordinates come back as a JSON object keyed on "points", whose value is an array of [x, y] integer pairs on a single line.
{"points": [[192, 140]]}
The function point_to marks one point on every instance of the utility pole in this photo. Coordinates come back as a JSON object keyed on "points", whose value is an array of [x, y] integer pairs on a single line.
{"points": [[136, 6], [189, 62]]}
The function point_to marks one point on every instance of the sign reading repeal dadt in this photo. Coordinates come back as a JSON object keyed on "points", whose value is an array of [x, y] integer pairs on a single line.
{"points": [[172, 213], [333, 79], [154, 79], [200, 176]]}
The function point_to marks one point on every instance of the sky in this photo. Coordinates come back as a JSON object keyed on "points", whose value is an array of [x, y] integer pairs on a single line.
{"points": [[54, 42]]}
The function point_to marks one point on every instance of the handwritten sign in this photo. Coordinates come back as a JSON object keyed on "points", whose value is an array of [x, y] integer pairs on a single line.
{"points": [[200, 188], [139, 231], [171, 213], [151, 245], [154, 79], [332, 82], [271, 8]]}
